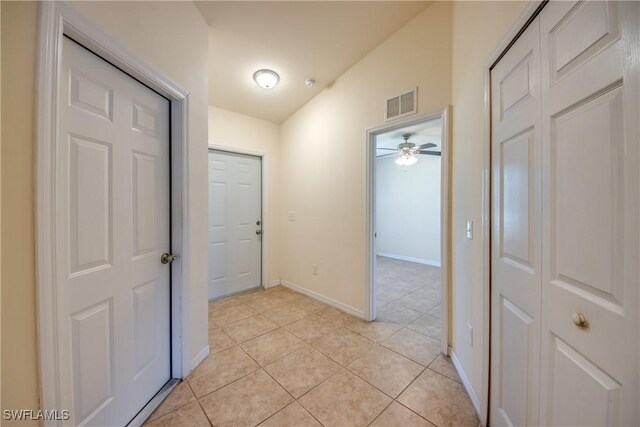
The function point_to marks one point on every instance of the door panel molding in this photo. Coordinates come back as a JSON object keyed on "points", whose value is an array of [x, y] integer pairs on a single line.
{"points": [[59, 19]]}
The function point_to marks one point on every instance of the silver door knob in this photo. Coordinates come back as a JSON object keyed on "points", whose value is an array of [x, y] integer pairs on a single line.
{"points": [[166, 258], [258, 232], [579, 320]]}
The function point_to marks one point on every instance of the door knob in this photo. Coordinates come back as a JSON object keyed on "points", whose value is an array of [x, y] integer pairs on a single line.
{"points": [[258, 232], [579, 320], [166, 258]]}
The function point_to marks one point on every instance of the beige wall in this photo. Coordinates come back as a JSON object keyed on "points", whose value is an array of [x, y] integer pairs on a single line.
{"points": [[324, 160], [234, 130], [171, 36], [477, 29], [18, 335]]}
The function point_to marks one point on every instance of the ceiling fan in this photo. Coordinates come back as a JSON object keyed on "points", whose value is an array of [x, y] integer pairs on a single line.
{"points": [[408, 150]]}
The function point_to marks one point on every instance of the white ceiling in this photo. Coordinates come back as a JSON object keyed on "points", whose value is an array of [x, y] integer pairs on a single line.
{"points": [[297, 39], [421, 133]]}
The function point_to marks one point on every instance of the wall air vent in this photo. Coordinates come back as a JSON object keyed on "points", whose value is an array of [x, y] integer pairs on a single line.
{"points": [[401, 105]]}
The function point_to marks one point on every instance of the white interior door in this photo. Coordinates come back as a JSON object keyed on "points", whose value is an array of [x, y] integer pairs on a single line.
{"points": [[235, 223], [112, 225], [590, 119], [566, 219], [516, 233]]}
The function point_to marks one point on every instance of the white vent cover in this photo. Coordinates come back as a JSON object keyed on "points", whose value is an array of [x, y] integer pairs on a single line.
{"points": [[401, 105]]}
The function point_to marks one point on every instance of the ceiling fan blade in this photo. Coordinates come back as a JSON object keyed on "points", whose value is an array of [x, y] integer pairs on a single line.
{"points": [[431, 153], [392, 149], [429, 145]]}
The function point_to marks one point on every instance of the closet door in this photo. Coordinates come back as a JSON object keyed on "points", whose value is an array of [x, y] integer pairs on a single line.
{"points": [[590, 119], [515, 233]]}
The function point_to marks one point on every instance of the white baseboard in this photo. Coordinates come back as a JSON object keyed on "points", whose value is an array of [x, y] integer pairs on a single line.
{"points": [[475, 400], [273, 283], [199, 358], [411, 259], [340, 306]]}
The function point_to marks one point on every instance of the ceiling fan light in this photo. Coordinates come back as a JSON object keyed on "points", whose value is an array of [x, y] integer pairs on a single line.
{"points": [[406, 160], [266, 79]]}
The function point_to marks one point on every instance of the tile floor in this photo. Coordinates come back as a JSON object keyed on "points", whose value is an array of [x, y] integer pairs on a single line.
{"points": [[279, 358]]}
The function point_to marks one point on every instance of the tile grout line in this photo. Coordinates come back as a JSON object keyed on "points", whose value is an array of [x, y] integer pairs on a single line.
{"points": [[200, 404], [287, 391], [381, 412], [310, 345], [294, 399], [229, 383], [405, 389], [407, 357], [414, 412], [264, 333], [320, 383], [149, 419], [421, 372]]}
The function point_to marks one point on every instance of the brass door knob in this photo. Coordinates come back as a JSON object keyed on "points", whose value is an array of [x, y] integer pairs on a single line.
{"points": [[579, 320], [166, 258]]}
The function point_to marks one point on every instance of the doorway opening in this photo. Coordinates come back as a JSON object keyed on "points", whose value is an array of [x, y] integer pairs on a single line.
{"points": [[408, 227]]}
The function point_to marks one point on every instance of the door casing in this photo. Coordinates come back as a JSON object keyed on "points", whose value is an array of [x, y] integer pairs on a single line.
{"points": [[58, 19], [445, 235]]}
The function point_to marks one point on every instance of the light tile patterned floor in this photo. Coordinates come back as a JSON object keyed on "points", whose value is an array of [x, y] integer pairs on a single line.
{"points": [[279, 358]]}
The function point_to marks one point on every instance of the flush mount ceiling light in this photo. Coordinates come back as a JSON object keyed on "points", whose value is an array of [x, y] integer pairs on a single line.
{"points": [[266, 79]]}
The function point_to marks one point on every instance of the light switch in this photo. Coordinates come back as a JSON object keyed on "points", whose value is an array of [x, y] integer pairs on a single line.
{"points": [[291, 216], [470, 230]]}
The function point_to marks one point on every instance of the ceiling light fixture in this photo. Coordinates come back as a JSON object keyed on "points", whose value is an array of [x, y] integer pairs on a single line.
{"points": [[406, 160], [266, 79], [310, 83]]}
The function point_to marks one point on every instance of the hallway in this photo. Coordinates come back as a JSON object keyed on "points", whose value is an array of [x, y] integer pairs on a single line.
{"points": [[280, 358]]}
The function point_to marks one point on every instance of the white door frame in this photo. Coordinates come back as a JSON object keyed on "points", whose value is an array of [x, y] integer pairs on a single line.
{"points": [[264, 204], [529, 12], [58, 19], [445, 233]]}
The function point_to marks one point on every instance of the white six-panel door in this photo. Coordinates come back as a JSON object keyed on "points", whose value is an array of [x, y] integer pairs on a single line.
{"points": [[590, 117], [565, 219], [112, 225], [516, 233], [235, 215]]}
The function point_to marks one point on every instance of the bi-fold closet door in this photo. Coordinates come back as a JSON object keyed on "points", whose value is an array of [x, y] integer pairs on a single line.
{"points": [[565, 219]]}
